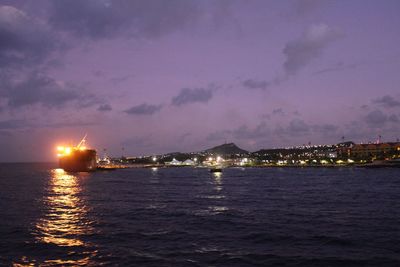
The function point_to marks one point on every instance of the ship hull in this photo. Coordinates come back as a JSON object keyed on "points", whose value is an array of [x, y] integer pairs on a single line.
{"points": [[79, 161]]}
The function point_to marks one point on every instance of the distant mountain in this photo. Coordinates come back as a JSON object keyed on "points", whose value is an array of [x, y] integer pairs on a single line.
{"points": [[226, 149]]}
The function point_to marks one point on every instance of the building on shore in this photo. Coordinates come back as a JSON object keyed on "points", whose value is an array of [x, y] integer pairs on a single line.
{"points": [[381, 151]]}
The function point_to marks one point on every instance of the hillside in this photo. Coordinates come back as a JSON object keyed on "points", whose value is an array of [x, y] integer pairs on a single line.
{"points": [[226, 149]]}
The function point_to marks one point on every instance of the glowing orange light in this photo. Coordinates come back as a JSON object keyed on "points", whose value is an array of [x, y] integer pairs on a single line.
{"points": [[67, 150]]}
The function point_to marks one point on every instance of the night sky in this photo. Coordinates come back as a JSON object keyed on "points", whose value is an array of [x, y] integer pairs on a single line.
{"points": [[158, 76]]}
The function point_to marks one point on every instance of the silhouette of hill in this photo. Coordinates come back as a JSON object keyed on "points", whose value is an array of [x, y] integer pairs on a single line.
{"points": [[226, 149]]}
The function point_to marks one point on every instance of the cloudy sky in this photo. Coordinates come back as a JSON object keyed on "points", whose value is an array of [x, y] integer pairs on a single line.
{"points": [[157, 76]]}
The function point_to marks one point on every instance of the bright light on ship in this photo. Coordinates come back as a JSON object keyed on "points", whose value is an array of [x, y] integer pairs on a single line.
{"points": [[62, 151], [67, 150]]}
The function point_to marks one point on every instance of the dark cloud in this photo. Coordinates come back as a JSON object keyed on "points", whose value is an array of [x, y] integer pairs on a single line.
{"points": [[17, 124], [340, 66], [254, 84], [219, 136], [65, 124], [296, 127], [261, 131], [37, 88], [121, 79], [105, 107], [5, 133], [326, 129], [278, 111], [143, 109], [393, 118], [23, 40], [308, 47], [11, 124], [387, 101], [99, 73], [27, 42], [104, 19], [195, 95], [376, 118]]}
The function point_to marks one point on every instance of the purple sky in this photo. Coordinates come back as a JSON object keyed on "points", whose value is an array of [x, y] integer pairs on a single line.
{"points": [[157, 76]]}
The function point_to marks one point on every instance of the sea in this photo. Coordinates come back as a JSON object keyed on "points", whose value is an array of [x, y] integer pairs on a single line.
{"points": [[191, 217]]}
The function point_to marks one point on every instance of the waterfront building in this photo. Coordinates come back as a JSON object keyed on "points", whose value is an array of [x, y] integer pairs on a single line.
{"points": [[381, 150]]}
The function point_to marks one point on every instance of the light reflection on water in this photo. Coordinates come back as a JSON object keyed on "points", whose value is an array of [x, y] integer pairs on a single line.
{"points": [[218, 186], [65, 221]]}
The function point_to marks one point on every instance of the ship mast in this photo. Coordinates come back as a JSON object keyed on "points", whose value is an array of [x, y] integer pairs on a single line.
{"points": [[82, 142]]}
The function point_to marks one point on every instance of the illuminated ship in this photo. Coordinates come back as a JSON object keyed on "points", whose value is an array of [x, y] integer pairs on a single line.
{"points": [[78, 158]]}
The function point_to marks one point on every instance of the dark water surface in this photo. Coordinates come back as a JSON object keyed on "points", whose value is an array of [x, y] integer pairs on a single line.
{"points": [[190, 217]]}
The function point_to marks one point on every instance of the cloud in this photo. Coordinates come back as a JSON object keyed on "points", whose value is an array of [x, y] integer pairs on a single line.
{"points": [[23, 40], [325, 129], [65, 124], [387, 101], [219, 135], [15, 124], [195, 95], [143, 109], [105, 107], [376, 118], [261, 131], [340, 66], [296, 127], [278, 111], [11, 124], [254, 84], [308, 47], [132, 18], [121, 79], [38, 88], [393, 118], [5, 133]]}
